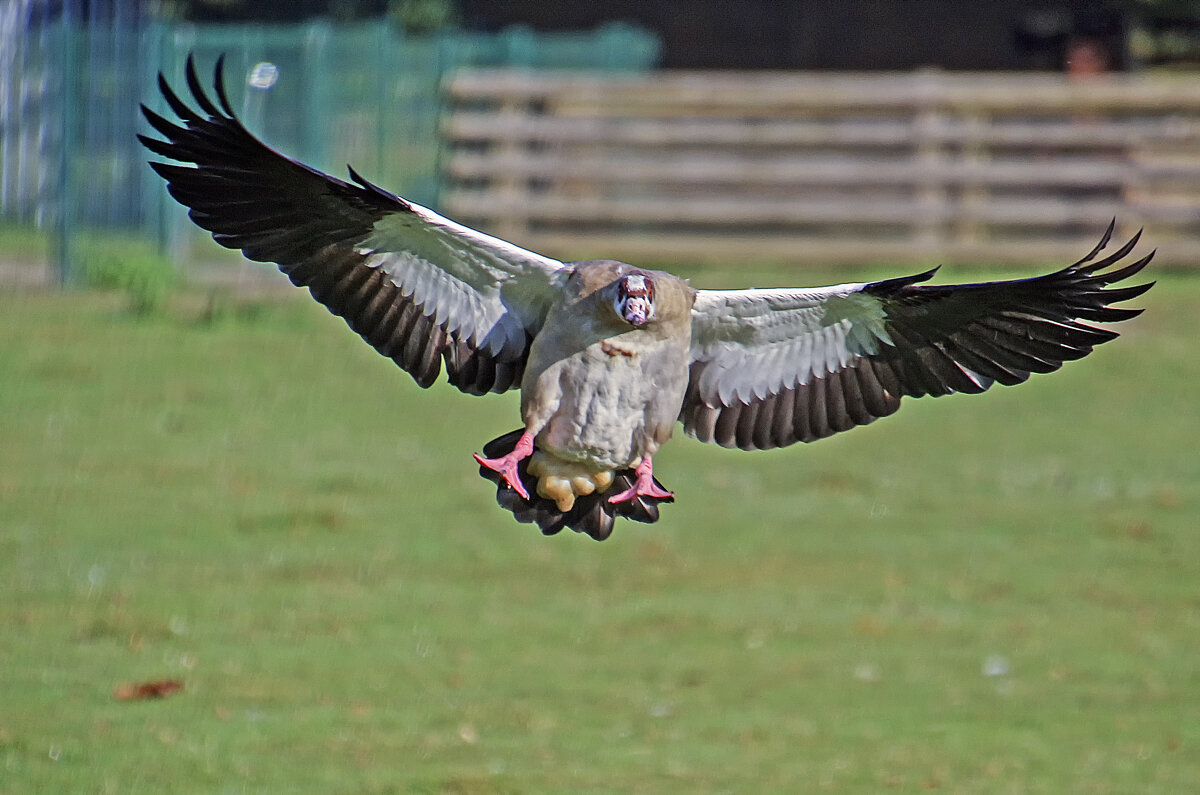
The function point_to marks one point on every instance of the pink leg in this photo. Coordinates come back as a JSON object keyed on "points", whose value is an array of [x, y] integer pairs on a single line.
{"points": [[644, 487], [506, 465]]}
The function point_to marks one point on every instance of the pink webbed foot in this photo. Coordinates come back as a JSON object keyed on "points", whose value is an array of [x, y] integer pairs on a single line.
{"points": [[506, 465], [645, 486]]}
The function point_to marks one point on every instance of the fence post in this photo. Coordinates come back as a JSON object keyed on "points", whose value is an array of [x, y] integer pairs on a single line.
{"points": [[970, 229], [61, 243], [929, 120], [317, 132], [512, 186], [520, 46]]}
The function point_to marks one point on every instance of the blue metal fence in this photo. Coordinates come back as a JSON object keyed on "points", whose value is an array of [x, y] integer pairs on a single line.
{"points": [[364, 94]]}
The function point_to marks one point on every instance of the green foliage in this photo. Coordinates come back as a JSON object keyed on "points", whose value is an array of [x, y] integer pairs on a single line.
{"points": [[992, 593], [129, 265], [22, 242], [419, 17]]}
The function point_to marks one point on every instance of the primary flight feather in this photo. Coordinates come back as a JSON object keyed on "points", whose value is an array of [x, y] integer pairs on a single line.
{"points": [[608, 356]]}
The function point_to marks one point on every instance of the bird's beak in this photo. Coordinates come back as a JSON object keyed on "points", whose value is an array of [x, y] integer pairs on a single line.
{"points": [[637, 310]]}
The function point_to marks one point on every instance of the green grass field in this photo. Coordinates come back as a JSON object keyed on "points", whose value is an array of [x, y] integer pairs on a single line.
{"points": [[981, 594]]}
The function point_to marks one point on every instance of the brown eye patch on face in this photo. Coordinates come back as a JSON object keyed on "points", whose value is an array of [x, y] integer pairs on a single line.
{"points": [[636, 286]]}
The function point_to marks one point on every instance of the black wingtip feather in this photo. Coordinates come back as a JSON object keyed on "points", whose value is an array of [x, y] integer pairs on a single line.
{"points": [[219, 85], [366, 184], [1108, 233], [891, 286], [177, 105], [1115, 295], [1121, 274], [197, 90], [1119, 254]]}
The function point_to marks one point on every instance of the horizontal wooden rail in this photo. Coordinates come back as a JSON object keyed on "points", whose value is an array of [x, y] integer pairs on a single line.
{"points": [[466, 125], [844, 171], [713, 92]]}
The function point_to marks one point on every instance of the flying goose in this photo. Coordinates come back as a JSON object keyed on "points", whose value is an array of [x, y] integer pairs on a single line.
{"points": [[608, 356]]}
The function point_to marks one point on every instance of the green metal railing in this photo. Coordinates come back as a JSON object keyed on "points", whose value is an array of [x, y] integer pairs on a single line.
{"points": [[364, 94]]}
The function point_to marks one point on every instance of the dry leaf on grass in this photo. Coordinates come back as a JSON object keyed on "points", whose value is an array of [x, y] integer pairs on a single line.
{"points": [[140, 691]]}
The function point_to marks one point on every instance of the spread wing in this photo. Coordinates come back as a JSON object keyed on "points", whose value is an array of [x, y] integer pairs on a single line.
{"points": [[418, 287], [774, 367]]}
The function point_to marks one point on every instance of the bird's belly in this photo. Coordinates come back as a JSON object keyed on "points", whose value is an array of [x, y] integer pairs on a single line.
{"points": [[598, 423], [602, 416]]}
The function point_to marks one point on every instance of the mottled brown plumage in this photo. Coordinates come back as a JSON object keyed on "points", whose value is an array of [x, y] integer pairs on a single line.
{"points": [[583, 346]]}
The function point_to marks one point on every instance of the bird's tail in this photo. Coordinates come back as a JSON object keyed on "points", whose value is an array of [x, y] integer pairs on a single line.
{"points": [[592, 514]]}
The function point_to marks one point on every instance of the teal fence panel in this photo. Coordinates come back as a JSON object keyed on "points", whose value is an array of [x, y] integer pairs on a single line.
{"points": [[365, 94]]}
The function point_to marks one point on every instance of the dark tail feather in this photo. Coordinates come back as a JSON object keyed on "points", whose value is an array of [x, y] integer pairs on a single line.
{"points": [[592, 514]]}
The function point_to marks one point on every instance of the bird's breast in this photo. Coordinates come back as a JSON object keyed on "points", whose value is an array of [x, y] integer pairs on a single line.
{"points": [[617, 400]]}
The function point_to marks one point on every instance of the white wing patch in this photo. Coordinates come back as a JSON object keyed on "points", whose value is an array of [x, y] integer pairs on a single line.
{"points": [[484, 290], [757, 343]]}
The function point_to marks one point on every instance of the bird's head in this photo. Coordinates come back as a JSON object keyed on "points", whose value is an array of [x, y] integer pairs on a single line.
{"points": [[634, 299]]}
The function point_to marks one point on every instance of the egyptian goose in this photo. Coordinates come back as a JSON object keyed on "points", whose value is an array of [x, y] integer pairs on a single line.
{"points": [[609, 356]]}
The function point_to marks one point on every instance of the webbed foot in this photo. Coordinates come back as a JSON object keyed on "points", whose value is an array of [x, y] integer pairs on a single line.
{"points": [[644, 486], [506, 465]]}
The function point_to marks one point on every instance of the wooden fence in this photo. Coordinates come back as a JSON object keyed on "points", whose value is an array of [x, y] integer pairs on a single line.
{"points": [[809, 168]]}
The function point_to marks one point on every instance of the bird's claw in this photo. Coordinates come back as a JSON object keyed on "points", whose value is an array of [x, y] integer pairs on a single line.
{"points": [[644, 486], [506, 464], [641, 489]]}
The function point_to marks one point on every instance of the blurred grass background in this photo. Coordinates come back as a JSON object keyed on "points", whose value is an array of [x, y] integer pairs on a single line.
{"points": [[989, 594]]}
